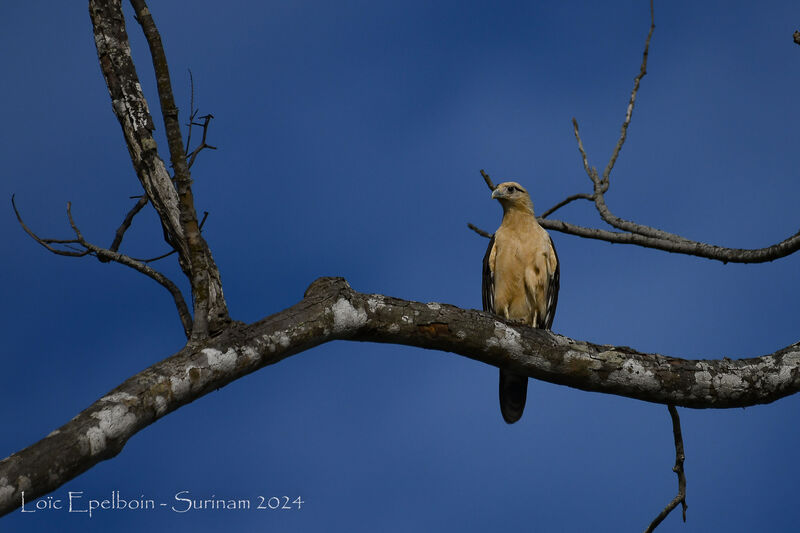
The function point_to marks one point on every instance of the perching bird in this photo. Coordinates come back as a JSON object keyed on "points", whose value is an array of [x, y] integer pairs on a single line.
{"points": [[520, 280]]}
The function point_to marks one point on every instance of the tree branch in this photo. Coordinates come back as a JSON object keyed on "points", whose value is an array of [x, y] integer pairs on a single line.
{"points": [[331, 310], [639, 234], [210, 309], [629, 112], [488, 180], [47, 243], [678, 469], [133, 114], [562, 203], [685, 246], [203, 145], [104, 256], [126, 223], [479, 231]]}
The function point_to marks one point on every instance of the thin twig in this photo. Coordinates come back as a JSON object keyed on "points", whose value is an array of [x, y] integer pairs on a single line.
{"points": [[488, 180], [47, 242], [590, 171], [678, 469], [479, 231], [567, 200], [629, 113], [167, 254], [203, 145], [154, 259], [190, 157], [192, 112], [126, 223]]}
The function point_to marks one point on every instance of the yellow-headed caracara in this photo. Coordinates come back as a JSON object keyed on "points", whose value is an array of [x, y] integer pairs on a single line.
{"points": [[520, 280]]}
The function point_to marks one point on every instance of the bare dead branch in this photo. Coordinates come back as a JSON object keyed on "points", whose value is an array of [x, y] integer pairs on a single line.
{"points": [[488, 180], [590, 171], [685, 246], [105, 255], [167, 254], [472, 226], [47, 243], [133, 114], [331, 310], [112, 255], [678, 469], [639, 234], [479, 231], [601, 185], [674, 245], [192, 113], [629, 112], [126, 223], [156, 258], [210, 309], [567, 200], [203, 145]]}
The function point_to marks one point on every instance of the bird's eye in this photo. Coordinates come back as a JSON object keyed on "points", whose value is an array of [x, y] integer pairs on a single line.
{"points": [[511, 189]]}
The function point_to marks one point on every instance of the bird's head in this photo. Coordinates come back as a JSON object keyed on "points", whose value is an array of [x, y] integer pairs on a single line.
{"points": [[512, 195]]}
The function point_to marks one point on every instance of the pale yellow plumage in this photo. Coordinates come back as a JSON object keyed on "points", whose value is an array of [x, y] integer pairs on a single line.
{"points": [[521, 280]]}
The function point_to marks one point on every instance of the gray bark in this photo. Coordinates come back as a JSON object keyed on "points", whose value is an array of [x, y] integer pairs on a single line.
{"points": [[331, 310]]}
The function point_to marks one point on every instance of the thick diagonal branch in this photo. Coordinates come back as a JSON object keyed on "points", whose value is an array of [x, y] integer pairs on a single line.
{"points": [[133, 114], [331, 310]]}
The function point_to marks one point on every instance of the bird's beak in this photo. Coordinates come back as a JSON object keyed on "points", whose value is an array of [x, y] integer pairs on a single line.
{"points": [[496, 194]]}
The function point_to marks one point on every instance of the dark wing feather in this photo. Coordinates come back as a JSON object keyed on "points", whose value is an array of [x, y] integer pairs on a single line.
{"points": [[552, 291], [487, 286]]}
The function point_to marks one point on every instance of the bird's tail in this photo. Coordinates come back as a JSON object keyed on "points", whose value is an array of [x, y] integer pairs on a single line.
{"points": [[513, 391]]}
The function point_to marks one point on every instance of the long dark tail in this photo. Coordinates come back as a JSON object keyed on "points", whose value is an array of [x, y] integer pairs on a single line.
{"points": [[513, 391]]}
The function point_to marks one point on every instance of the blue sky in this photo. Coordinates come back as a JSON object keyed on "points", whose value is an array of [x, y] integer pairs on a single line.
{"points": [[351, 135]]}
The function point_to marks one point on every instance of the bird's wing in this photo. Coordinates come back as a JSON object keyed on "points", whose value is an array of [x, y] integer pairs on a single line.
{"points": [[487, 285], [554, 283]]}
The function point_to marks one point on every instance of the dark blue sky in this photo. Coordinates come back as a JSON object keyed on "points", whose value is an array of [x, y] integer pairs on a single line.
{"points": [[350, 139]]}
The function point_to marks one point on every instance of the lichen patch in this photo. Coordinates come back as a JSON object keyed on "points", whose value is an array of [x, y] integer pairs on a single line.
{"points": [[6, 491], [374, 303], [119, 397], [506, 338], [346, 317], [634, 373], [219, 361]]}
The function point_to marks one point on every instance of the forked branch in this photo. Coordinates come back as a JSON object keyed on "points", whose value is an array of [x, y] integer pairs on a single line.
{"points": [[80, 247], [210, 309], [191, 156]]}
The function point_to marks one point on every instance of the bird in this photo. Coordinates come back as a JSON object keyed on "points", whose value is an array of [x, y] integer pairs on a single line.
{"points": [[521, 279]]}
